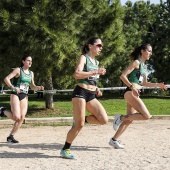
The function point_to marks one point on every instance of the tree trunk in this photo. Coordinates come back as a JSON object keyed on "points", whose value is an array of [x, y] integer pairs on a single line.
{"points": [[49, 95], [49, 100]]}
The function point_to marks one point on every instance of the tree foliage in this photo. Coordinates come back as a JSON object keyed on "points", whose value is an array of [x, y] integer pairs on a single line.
{"points": [[54, 31], [160, 40]]}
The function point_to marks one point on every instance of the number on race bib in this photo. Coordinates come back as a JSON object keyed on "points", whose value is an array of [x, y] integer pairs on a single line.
{"points": [[24, 88]]}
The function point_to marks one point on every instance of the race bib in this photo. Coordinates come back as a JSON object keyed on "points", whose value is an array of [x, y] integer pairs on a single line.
{"points": [[141, 79], [94, 77], [24, 88]]}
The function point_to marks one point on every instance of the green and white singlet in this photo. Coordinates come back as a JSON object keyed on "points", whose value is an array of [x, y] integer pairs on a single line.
{"points": [[23, 81], [137, 75], [89, 67]]}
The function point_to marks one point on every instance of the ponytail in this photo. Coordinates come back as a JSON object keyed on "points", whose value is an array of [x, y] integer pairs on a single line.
{"points": [[91, 41], [137, 52]]}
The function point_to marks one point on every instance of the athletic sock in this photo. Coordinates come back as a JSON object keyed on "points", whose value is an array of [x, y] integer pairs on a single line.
{"points": [[86, 119], [2, 109], [114, 139], [67, 145]]}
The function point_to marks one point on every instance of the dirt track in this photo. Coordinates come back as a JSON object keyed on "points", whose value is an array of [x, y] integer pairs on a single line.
{"points": [[147, 147]]}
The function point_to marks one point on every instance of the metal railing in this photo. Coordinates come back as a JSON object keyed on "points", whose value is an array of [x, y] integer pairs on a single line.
{"points": [[70, 90]]}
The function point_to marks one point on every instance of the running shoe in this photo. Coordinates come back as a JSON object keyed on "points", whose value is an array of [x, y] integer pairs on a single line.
{"points": [[2, 111], [66, 154], [116, 144], [117, 122], [10, 139]]}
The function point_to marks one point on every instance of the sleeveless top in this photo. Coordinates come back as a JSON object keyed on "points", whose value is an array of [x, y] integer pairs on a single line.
{"points": [[22, 82], [89, 66], [137, 75]]}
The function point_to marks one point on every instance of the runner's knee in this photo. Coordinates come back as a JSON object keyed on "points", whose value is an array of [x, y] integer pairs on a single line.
{"points": [[79, 125], [147, 117], [16, 118], [22, 118], [104, 121]]}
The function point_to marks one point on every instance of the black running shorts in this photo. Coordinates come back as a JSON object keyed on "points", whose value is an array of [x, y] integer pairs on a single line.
{"points": [[80, 92], [21, 96]]}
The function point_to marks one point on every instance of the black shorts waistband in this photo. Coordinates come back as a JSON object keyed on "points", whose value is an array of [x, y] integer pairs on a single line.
{"points": [[21, 96], [86, 94]]}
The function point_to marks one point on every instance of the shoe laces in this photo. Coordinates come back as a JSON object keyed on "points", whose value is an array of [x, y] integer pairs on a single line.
{"points": [[68, 151]]}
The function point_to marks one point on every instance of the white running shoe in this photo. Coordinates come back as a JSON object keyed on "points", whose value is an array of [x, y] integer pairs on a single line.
{"points": [[116, 144], [117, 122]]}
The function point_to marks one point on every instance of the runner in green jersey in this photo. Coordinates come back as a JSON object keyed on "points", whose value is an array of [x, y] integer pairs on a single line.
{"points": [[87, 72], [22, 79], [134, 76]]}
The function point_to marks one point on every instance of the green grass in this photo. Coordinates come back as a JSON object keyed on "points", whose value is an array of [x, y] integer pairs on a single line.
{"points": [[113, 104]]}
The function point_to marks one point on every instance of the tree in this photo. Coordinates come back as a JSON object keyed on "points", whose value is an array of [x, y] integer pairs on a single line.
{"points": [[160, 40], [53, 33], [41, 33], [108, 21]]}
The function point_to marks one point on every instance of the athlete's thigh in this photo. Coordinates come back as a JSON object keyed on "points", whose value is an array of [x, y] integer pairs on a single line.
{"points": [[79, 109], [15, 104], [136, 103], [24, 106], [96, 109], [130, 109]]}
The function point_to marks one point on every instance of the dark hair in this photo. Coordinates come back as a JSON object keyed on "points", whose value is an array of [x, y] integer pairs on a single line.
{"points": [[25, 56], [137, 52], [85, 47]]}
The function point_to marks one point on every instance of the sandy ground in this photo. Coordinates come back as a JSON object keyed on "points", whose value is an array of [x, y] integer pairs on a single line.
{"points": [[147, 147]]}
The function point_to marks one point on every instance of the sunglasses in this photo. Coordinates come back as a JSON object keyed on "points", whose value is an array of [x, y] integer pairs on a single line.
{"points": [[99, 45], [149, 51]]}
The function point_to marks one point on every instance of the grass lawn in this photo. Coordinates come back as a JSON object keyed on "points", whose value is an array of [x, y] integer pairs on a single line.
{"points": [[112, 104]]}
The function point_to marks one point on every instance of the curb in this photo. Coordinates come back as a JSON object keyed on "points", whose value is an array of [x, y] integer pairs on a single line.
{"points": [[164, 117], [39, 120], [66, 119]]}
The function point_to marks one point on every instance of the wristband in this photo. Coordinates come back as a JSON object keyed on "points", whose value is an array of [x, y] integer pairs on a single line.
{"points": [[132, 87], [11, 87]]}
